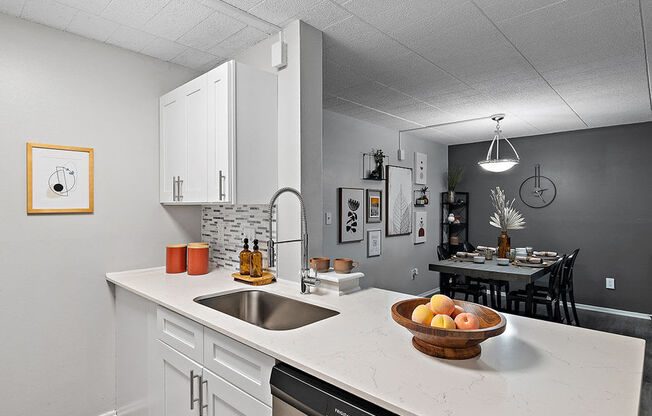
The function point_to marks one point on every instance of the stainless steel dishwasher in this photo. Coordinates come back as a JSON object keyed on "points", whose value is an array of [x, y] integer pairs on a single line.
{"points": [[296, 393]]}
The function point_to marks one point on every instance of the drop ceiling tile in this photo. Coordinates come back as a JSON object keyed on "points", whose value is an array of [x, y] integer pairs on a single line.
{"points": [[240, 4], [323, 15], [12, 7], [213, 30], [163, 49], [91, 26], [193, 58], [387, 121], [245, 38], [49, 13], [132, 39], [499, 10], [177, 18], [134, 13], [90, 6], [421, 113], [278, 11]]}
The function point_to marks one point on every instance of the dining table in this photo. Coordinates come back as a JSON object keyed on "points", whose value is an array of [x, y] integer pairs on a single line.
{"points": [[491, 270]]}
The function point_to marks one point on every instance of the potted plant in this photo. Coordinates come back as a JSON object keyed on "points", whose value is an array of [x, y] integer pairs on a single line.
{"points": [[423, 199], [379, 160], [506, 218], [455, 176]]}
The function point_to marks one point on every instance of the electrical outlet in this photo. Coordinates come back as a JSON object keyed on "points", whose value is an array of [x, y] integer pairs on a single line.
{"points": [[610, 283], [414, 273], [328, 218]]}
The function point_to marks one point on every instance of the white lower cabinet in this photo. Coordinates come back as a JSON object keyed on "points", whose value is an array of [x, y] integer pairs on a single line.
{"points": [[177, 381], [224, 399]]}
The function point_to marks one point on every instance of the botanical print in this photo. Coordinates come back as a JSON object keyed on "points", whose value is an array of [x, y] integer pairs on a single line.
{"points": [[373, 243], [420, 168], [59, 178], [351, 211], [374, 208], [399, 200], [420, 226]]}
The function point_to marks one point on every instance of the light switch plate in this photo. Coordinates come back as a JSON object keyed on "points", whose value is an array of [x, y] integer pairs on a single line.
{"points": [[328, 218], [611, 283]]}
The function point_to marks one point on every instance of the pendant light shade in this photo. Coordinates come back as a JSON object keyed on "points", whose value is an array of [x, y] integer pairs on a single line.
{"points": [[498, 164]]}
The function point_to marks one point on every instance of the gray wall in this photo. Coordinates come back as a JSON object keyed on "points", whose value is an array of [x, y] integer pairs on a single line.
{"points": [[344, 141], [602, 206], [57, 353]]}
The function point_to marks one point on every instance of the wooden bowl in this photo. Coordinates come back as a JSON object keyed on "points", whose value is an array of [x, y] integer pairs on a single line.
{"points": [[454, 344]]}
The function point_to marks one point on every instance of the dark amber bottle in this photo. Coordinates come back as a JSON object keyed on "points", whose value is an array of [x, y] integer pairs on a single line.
{"points": [[245, 259], [256, 261]]}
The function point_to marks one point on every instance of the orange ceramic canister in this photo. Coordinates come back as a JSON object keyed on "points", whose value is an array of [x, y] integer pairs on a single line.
{"points": [[197, 258], [175, 258]]}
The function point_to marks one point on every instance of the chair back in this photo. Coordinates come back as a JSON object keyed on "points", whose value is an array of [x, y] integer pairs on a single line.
{"points": [[468, 247], [557, 275], [569, 265], [442, 253]]}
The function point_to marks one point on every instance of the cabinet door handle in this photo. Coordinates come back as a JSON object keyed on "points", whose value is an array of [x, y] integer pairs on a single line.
{"points": [[221, 179], [174, 188], [192, 390], [203, 383], [180, 186]]}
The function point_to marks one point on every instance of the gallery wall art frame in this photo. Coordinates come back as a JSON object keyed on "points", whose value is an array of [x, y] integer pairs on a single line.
{"points": [[374, 203], [351, 214], [420, 168], [59, 179], [399, 201], [420, 227], [374, 243]]}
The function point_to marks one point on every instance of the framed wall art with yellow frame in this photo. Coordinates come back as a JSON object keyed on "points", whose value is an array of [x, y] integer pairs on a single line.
{"points": [[59, 179]]}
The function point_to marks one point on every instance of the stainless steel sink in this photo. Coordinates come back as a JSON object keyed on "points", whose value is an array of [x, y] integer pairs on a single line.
{"points": [[266, 310]]}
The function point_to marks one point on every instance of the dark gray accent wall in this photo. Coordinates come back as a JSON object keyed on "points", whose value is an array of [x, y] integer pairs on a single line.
{"points": [[603, 206]]}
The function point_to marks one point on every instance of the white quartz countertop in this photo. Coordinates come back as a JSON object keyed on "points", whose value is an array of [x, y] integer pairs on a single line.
{"points": [[534, 368]]}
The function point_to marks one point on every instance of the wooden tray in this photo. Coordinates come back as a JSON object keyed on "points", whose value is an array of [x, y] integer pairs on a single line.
{"points": [[533, 265], [454, 344], [265, 279]]}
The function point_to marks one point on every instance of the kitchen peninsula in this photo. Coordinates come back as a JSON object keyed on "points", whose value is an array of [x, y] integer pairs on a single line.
{"points": [[535, 367]]}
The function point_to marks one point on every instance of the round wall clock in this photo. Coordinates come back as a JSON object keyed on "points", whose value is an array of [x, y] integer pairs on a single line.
{"points": [[537, 191]]}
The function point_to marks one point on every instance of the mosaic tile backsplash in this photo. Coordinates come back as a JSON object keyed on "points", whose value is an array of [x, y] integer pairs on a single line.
{"points": [[223, 227]]}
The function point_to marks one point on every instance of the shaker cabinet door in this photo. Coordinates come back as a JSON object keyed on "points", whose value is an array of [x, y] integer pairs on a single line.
{"points": [[220, 132], [176, 383], [224, 399]]}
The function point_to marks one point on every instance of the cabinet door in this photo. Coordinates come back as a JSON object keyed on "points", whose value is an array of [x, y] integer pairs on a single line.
{"points": [[224, 399], [172, 380], [172, 142], [221, 133], [183, 142]]}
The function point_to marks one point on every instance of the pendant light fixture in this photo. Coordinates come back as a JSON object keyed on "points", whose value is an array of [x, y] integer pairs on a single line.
{"points": [[498, 164]]}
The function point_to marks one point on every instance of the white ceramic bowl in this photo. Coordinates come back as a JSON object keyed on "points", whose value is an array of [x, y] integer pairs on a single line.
{"points": [[502, 262], [478, 259]]}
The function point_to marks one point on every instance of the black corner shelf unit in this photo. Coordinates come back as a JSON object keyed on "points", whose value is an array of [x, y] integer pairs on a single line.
{"points": [[459, 208]]}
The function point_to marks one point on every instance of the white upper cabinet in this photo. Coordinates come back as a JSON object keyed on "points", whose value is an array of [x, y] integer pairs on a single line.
{"points": [[218, 138]]}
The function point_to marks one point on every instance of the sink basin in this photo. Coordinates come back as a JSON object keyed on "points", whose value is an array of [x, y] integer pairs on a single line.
{"points": [[266, 310]]}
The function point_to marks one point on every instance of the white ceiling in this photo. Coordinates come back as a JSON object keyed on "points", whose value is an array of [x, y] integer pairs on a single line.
{"points": [[550, 65]]}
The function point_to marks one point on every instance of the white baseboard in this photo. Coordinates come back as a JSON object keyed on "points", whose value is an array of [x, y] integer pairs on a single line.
{"points": [[109, 413], [429, 293]]}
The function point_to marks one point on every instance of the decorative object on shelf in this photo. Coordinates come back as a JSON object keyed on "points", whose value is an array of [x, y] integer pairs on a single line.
{"points": [[343, 266], [498, 164], [454, 241], [422, 197], [59, 179], [420, 227], [374, 245], [454, 176], [506, 218], [320, 264], [451, 218], [537, 191], [373, 165], [374, 205], [351, 211], [420, 168], [399, 205]]}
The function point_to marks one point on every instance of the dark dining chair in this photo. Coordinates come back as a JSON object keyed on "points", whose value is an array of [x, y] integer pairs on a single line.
{"points": [[538, 296], [449, 284], [566, 288]]}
